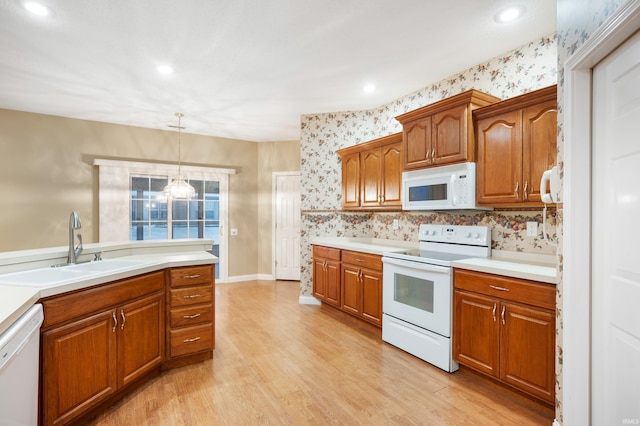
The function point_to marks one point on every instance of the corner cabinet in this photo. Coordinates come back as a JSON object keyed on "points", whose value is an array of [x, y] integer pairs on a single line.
{"points": [[350, 281], [442, 132], [98, 341], [372, 174], [505, 328], [517, 141]]}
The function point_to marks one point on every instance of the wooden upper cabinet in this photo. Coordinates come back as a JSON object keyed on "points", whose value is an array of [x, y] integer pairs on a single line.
{"points": [[516, 143], [351, 180], [372, 174], [441, 133]]}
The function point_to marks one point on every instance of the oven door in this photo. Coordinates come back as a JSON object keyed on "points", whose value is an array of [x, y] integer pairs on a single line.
{"points": [[418, 293]]}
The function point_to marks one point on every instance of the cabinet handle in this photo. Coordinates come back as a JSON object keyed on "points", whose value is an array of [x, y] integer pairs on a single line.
{"points": [[502, 314], [499, 288], [433, 155], [360, 276], [495, 305], [195, 339], [192, 296], [427, 156], [190, 277], [324, 266], [381, 199], [191, 316], [124, 319], [115, 322], [525, 196], [360, 260], [516, 190]]}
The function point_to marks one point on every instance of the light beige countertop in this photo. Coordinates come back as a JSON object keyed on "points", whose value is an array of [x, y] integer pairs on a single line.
{"points": [[513, 264], [21, 287], [536, 267], [364, 245]]}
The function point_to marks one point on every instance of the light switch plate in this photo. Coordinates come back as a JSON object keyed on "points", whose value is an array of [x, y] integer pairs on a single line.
{"points": [[395, 224], [532, 229]]}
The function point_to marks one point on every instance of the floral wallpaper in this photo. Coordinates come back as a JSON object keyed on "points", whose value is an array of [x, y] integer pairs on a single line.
{"points": [[527, 68], [521, 70]]}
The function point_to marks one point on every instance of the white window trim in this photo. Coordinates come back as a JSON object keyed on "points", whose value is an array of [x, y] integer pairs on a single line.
{"points": [[114, 204]]}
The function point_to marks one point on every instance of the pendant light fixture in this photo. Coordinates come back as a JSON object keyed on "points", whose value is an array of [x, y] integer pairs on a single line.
{"points": [[179, 188]]}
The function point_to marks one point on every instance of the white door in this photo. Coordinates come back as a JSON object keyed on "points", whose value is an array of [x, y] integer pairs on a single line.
{"points": [[615, 397], [287, 226]]}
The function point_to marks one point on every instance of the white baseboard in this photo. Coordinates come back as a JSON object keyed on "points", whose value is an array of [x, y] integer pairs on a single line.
{"points": [[254, 277], [308, 300]]}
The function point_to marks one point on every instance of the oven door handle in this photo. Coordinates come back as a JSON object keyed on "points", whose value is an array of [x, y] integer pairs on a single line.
{"points": [[418, 266]]}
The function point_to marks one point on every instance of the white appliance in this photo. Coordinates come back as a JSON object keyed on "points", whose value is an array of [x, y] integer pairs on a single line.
{"points": [[417, 290], [551, 180], [19, 360], [450, 187]]}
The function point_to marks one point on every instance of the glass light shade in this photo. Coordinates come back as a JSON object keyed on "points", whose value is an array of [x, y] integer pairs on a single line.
{"points": [[179, 189]]}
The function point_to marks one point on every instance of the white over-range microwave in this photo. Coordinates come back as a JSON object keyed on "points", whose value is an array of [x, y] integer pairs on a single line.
{"points": [[450, 187]]}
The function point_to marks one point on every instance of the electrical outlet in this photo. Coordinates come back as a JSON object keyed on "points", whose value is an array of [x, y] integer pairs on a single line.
{"points": [[395, 224], [234, 231], [532, 229]]}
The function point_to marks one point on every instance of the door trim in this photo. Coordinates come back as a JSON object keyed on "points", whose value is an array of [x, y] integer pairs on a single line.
{"points": [[576, 281]]}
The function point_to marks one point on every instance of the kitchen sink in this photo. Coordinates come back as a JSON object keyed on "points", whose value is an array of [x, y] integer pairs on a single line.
{"points": [[64, 274]]}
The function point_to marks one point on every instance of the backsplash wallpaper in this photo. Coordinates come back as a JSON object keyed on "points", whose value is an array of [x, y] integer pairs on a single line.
{"points": [[528, 68]]}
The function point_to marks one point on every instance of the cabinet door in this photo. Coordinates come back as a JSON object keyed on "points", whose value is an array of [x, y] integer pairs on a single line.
{"points": [[370, 169], [332, 280], [528, 349], [539, 132], [351, 290], [391, 179], [417, 144], [372, 296], [499, 168], [449, 139], [140, 337], [351, 181], [319, 278], [476, 332], [79, 366]]}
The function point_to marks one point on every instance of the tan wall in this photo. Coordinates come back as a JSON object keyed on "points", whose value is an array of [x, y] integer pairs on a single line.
{"points": [[272, 157], [46, 172]]}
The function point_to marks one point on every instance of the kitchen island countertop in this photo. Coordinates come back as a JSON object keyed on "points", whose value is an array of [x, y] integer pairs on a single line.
{"points": [[16, 299]]}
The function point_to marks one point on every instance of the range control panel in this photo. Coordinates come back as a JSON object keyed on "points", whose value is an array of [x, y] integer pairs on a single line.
{"points": [[456, 234]]}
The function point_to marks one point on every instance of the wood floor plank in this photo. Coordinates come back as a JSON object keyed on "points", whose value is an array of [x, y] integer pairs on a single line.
{"points": [[277, 362]]}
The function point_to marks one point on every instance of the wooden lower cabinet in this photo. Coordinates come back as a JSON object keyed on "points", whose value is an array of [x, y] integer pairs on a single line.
{"points": [[349, 280], [362, 286], [326, 274], [88, 355], [100, 342], [505, 328], [191, 331]]}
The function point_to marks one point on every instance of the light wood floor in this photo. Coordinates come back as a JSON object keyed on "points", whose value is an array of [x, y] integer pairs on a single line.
{"points": [[277, 362]]}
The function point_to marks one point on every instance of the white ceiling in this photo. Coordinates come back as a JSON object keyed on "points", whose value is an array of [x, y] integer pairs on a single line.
{"points": [[244, 69]]}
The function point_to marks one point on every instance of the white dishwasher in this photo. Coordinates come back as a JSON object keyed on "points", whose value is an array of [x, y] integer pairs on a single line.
{"points": [[19, 361]]}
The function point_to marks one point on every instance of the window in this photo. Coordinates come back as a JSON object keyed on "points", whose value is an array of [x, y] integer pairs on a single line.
{"points": [[132, 205], [153, 217]]}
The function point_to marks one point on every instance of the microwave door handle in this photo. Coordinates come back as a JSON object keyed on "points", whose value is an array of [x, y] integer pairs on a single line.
{"points": [[416, 265], [454, 192]]}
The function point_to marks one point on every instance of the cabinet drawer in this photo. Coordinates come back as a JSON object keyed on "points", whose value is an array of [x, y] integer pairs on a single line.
{"points": [[518, 290], [192, 275], [326, 252], [364, 260], [191, 295], [191, 315], [82, 303], [191, 340]]}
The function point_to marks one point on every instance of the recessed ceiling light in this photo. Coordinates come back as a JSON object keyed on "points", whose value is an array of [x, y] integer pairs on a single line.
{"points": [[369, 88], [37, 8], [509, 14], [164, 69]]}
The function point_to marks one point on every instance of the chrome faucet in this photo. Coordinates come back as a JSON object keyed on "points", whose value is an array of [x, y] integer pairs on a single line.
{"points": [[74, 224]]}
